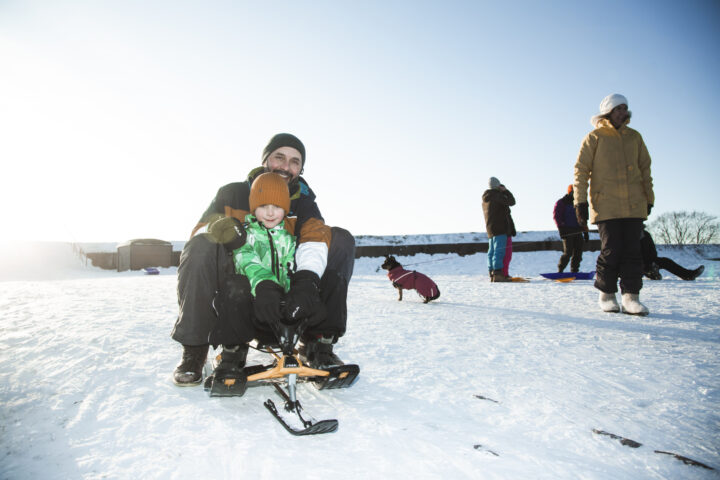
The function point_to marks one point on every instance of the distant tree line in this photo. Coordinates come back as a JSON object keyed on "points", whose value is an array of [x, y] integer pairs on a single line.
{"points": [[683, 228]]}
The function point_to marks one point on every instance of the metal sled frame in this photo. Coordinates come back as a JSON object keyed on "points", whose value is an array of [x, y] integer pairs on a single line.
{"points": [[290, 368], [284, 374], [279, 370]]}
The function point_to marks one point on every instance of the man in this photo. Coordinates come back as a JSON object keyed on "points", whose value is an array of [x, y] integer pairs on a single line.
{"points": [[652, 264], [208, 287], [572, 234], [500, 227], [615, 161]]}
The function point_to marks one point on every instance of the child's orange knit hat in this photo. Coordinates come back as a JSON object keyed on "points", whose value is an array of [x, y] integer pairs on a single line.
{"points": [[269, 189]]}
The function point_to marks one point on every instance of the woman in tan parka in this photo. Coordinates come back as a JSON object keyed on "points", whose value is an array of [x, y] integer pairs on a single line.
{"points": [[615, 161]]}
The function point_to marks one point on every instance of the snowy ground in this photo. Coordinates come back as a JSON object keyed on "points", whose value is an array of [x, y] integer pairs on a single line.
{"points": [[86, 359]]}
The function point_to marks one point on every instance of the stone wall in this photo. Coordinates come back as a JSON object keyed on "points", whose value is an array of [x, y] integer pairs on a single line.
{"points": [[461, 249], [108, 260]]}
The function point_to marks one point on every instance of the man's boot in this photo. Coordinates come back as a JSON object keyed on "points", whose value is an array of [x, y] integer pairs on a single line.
{"points": [[653, 272], [695, 273], [189, 372]]}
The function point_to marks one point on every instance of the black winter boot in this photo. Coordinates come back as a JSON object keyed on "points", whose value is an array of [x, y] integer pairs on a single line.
{"points": [[230, 361], [229, 379], [653, 272], [189, 372], [695, 273], [318, 353]]}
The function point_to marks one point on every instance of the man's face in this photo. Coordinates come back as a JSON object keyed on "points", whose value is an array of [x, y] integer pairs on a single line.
{"points": [[286, 162], [618, 115]]}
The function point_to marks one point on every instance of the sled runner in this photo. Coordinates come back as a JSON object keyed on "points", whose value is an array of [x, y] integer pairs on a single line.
{"points": [[575, 275], [519, 279], [284, 373]]}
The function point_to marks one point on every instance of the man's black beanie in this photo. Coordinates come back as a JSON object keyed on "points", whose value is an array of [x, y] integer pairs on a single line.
{"points": [[284, 140]]}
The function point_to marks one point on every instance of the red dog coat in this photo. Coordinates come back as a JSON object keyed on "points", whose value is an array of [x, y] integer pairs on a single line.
{"points": [[412, 280]]}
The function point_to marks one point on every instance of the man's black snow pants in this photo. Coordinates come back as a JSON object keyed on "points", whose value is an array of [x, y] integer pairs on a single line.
{"points": [[572, 247], [620, 256], [216, 304], [672, 267], [649, 256]]}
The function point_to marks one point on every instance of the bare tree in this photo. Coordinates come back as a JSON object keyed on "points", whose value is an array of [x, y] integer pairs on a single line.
{"points": [[683, 228]]}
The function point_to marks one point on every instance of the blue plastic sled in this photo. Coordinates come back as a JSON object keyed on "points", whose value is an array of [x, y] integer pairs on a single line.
{"points": [[576, 275], [151, 271]]}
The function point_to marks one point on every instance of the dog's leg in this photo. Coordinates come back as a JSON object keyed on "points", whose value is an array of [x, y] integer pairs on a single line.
{"points": [[399, 294]]}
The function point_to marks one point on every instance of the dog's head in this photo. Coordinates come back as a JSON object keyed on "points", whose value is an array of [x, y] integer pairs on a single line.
{"points": [[390, 263]]}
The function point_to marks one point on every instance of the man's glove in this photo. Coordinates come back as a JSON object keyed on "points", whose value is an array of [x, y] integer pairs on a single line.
{"points": [[228, 231], [581, 212], [649, 209], [303, 299], [268, 298]]}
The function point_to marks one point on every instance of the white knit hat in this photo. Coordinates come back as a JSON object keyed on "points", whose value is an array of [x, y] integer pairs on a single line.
{"points": [[606, 106]]}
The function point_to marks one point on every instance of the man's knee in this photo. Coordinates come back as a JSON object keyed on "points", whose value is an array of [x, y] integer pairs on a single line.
{"points": [[198, 254], [202, 256], [233, 309], [342, 241], [341, 255], [198, 245]]}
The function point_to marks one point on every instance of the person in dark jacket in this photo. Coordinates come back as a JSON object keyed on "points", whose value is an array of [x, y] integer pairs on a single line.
{"points": [[208, 286], [572, 234], [500, 227], [652, 263]]}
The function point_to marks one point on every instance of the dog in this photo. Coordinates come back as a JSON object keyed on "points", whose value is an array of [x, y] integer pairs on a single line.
{"points": [[410, 280]]}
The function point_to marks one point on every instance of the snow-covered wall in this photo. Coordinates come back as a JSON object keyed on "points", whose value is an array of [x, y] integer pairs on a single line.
{"points": [[53, 260]]}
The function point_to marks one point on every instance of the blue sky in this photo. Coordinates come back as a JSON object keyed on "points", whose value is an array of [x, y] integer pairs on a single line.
{"points": [[122, 119]]}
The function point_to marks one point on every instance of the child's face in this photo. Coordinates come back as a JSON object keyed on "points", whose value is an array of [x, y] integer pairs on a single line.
{"points": [[269, 215]]}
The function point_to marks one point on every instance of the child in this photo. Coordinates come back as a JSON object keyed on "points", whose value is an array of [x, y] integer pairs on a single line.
{"points": [[263, 252], [497, 201], [269, 250]]}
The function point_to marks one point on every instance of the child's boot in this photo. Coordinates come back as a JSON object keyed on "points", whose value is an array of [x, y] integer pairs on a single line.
{"points": [[608, 303], [632, 306]]}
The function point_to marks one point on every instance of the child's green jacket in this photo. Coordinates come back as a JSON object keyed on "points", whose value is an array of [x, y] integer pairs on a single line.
{"points": [[268, 254]]}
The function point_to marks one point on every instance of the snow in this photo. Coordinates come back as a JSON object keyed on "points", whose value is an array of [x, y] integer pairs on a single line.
{"points": [[86, 390]]}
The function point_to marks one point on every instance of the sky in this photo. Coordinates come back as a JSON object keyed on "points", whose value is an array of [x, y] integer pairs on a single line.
{"points": [[121, 120]]}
